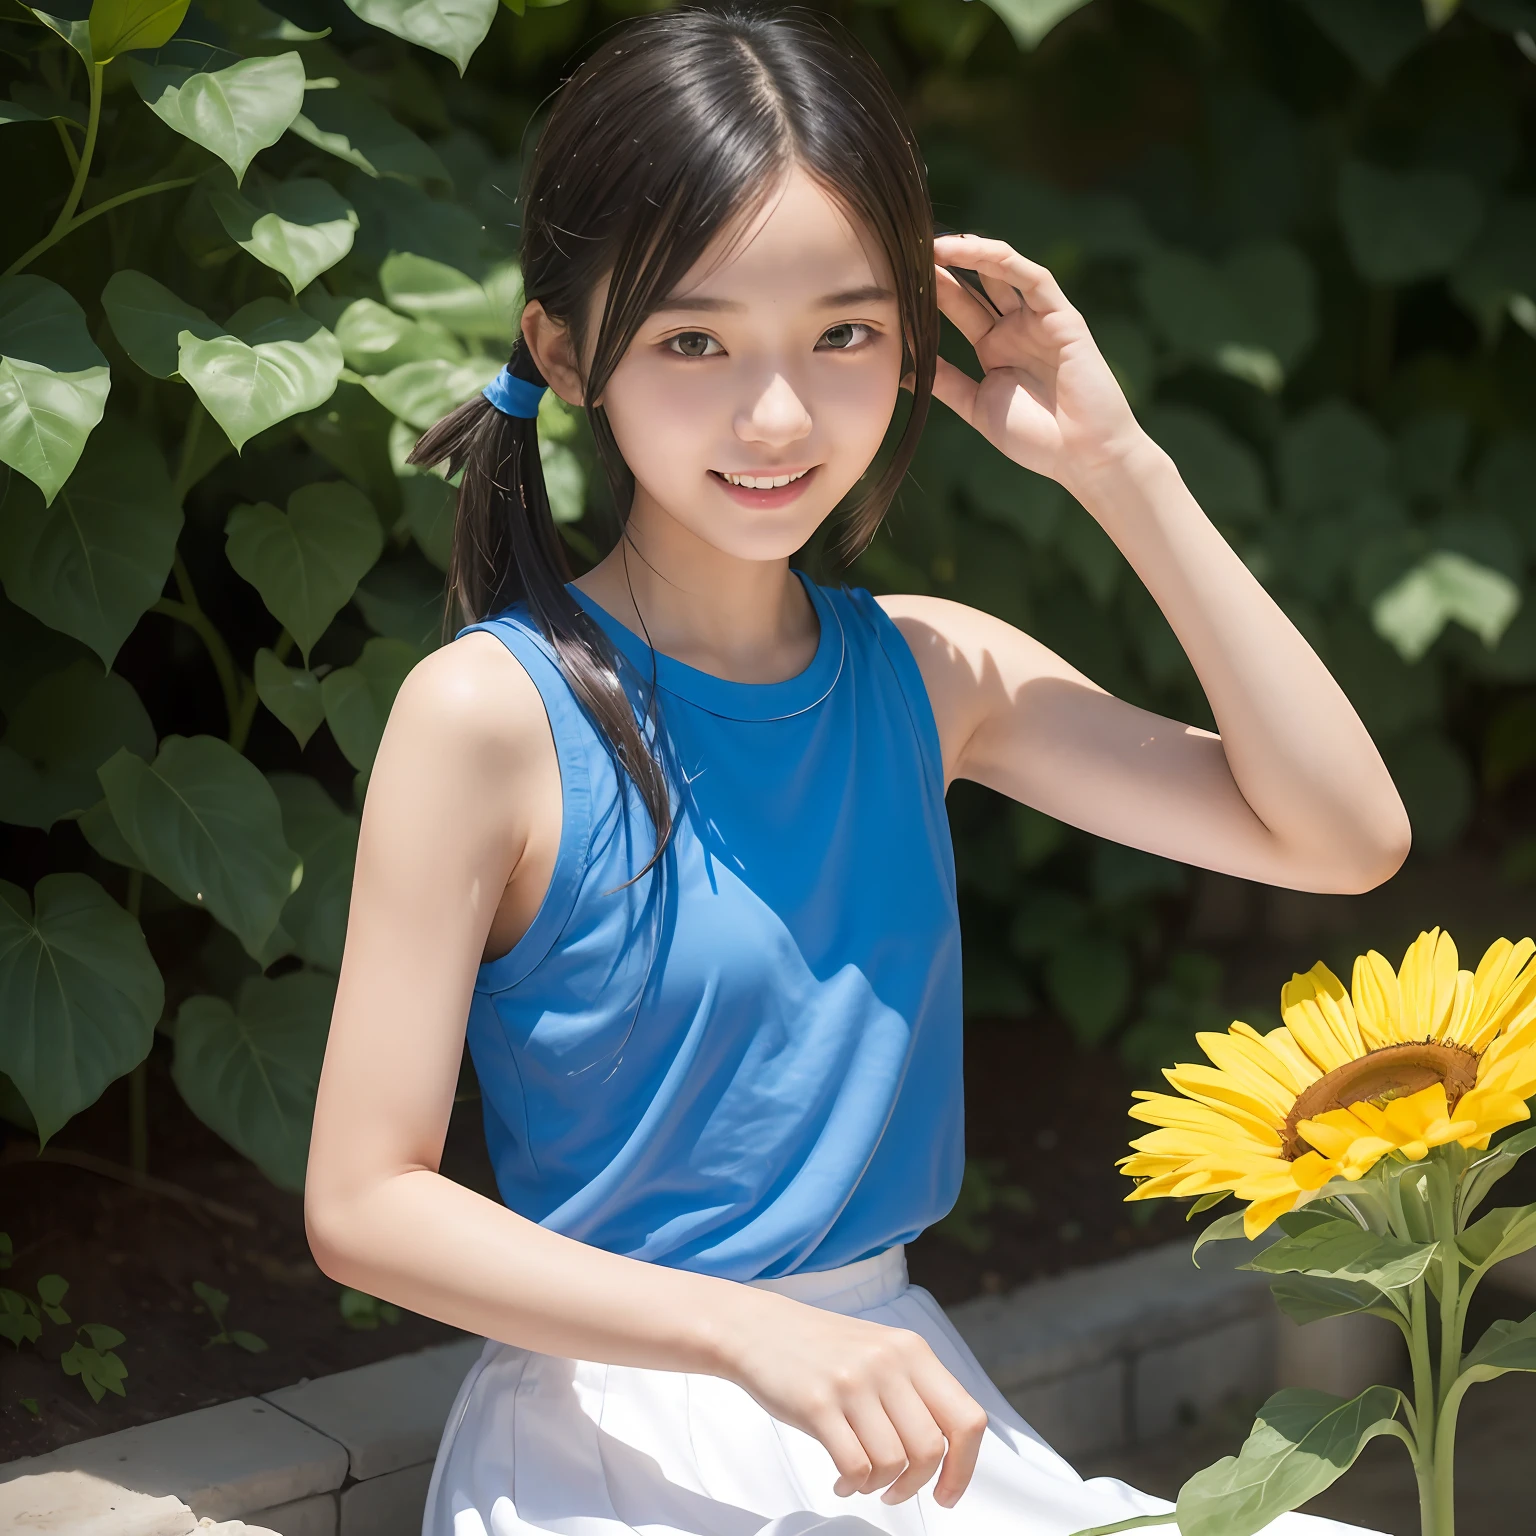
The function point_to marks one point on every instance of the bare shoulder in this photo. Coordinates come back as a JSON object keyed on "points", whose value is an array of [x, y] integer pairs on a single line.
{"points": [[471, 696]]}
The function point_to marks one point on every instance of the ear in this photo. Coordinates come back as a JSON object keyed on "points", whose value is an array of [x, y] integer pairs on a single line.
{"points": [[549, 342]]}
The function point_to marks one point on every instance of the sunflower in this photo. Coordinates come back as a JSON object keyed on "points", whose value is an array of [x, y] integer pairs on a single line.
{"points": [[1403, 1061]]}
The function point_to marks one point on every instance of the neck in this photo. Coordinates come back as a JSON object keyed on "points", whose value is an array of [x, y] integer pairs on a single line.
{"points": [[749, 621]]}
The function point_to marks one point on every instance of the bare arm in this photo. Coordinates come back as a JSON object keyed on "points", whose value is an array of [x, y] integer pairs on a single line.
{"points": [[465, 785], [1292, 791]]}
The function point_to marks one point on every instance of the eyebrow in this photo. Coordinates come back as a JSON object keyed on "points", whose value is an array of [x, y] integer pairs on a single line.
{"points": [[870, 293]]}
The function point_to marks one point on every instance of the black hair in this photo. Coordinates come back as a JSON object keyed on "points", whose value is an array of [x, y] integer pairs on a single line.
{"points": [[676, 125]]}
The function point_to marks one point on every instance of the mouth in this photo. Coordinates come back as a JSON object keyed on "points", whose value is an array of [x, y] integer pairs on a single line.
{"points": [[764, 490]]}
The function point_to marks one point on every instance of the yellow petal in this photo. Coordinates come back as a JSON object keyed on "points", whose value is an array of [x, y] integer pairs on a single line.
{"points": [[1210, 1083], [1378, 1001], [1428, 982], [1311, 1171], [1450, 1027], [1289, 1068], [1261, 1215], [1321, 1018], [1259, 1070], [1504, 983]]}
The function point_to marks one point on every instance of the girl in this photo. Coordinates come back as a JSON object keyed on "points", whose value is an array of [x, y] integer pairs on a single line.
{"points": [[672, 836]]}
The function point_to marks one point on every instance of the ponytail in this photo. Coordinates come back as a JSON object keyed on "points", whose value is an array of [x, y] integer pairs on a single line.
{"points": [[507, 549]]}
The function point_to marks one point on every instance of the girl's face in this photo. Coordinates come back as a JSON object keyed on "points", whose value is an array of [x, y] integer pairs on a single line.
{"points": [[752, 401]]}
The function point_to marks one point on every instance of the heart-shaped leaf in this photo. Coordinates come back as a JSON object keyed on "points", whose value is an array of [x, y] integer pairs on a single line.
{"points": [[1377, 35], [1506, 1346], [1030, 20], [75, 29], [1310, 1299], [1301, 1442], [358, 698], [453, 28], [432, 290], [118, 25], [1444, 586], [1501, 1234], [53, 381], [205, 823], [300, 228], [273, 362], [291, 693], [79, 994], [1404, 226], [403, 599], [355, 128], [250, 1072], [375, 339], [94, 561], [147, 319], [306, 562], [60, 733], [233, 112], [326, 838], [423, 393]]}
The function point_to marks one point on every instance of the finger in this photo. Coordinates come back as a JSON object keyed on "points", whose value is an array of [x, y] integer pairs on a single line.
{"points": [[957, 390], [996, 258], [921, 1438], [970, 316], [1004, 295], [847, 1451], [880, 1439], [964, 1423]]}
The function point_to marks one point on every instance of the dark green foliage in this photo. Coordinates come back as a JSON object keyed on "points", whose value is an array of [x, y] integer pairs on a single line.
{"points": [[253, 251]]}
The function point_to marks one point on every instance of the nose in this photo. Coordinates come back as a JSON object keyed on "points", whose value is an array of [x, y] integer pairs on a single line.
{"points": [[776, 417]]}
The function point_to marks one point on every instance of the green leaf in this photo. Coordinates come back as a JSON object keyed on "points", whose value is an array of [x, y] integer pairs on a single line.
{"points": [[249, 1342], [147, 319], [1499, 1235], [1310, 1298], [1089, 979], [1301, 1442], [1223, 1229], [1403, 226], [1335, 1248], [1500, 268], [1444, 586], [423, 393], [1479, 1179], [118, 25], [1331, 458], [75, 30], [299, 228], [326, 838], [250, 1072], [564, 480], [53, 381], [306, 562], [1376, 34], [374, 339], [1433, 777], [232, 112], [102, 1336], [358, 698], [1030, 20], [355, 128], [205, 823], [62, 731], [100, 1373], [432, 290], [94, 561], [291, 693], [1506, 1346], [453, 28], [404, 600], [79, 994], [273, 362]]}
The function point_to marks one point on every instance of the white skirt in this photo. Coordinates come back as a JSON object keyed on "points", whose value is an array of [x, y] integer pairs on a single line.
{"points": [[535, 1444]]}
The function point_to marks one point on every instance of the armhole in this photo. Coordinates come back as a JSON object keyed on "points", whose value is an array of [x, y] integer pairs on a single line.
{"points": [[565, 727], [909, 677]]}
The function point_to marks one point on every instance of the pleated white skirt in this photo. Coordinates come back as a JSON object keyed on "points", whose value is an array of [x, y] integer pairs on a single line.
{"points": [[539, 1444]]}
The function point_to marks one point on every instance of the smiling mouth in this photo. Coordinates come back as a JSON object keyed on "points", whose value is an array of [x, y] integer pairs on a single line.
{"points": [[761, 482]]}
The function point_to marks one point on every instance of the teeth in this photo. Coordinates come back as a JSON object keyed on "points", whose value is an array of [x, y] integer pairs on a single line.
{"points": [[762, 482]]}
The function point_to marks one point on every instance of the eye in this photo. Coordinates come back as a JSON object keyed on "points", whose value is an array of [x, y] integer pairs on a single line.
{"points": [[845, 337], [694, 344]]}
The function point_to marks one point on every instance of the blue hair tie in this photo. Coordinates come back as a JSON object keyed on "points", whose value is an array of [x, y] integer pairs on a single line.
{"points": [[513, 396]]}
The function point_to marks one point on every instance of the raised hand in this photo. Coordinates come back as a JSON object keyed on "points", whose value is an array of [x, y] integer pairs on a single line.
{"points": [[1047, 398]]}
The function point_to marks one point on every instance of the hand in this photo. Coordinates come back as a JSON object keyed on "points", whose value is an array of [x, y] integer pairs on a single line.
{"points": [[1047, 398], [876, 1397]]}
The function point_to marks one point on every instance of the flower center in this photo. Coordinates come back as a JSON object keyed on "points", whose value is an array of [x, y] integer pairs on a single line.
{"points": [[1392, 1072]]}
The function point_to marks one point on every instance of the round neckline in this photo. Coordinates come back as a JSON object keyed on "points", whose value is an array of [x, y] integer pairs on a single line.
{"points": [[724, 696]]}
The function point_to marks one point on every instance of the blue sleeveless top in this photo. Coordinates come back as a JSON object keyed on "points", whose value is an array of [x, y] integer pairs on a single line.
{"points": [[747, 1062]]}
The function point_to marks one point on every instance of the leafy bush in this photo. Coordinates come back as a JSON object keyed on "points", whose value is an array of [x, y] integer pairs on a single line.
{"points": [[253, 250]]}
